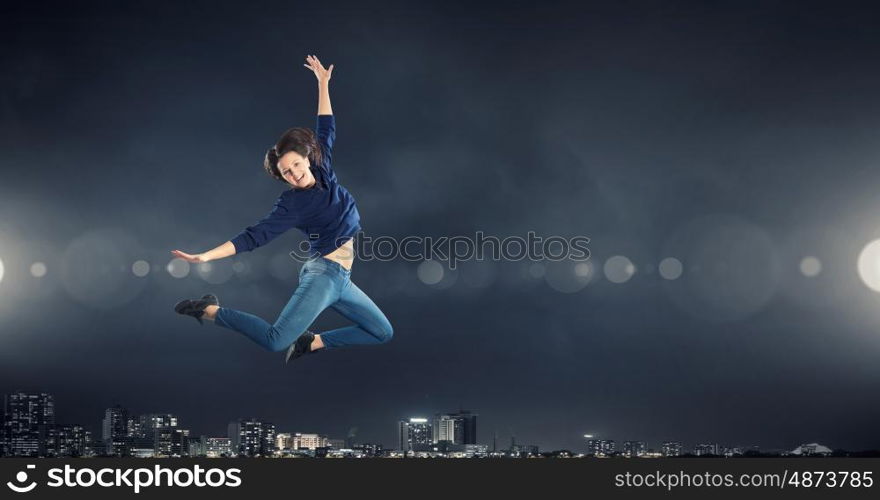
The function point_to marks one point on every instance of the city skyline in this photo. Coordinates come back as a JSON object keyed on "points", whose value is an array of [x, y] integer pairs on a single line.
{"points": [[30, 422]]}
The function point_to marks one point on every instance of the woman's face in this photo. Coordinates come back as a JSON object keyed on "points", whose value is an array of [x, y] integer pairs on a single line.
{"points": [[294, 168]]}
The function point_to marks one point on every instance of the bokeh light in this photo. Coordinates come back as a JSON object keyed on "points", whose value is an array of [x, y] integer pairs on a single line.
{"points": [[837, 284], [216, 272], [430, 272], [1, 270], [94, 268], [811, 267], [39, 261], [178, 268], [734, 268], [567, 276], [140, 268], [671, 268], [619, 269], [38, 269], [450, 276]]}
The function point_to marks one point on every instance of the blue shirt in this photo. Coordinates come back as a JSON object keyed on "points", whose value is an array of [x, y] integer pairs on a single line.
{"points": [[326, 213]]}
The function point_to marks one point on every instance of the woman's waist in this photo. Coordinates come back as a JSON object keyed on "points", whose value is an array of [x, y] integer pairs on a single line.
{"points": [[343, 255]]}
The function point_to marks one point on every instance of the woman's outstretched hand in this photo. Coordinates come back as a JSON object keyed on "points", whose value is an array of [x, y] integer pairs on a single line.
{"points": [[196, 259], [315, 65]]}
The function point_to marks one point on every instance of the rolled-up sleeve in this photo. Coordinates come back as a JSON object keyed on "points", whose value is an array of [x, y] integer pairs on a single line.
{"points": [[326, 132], [326, 135], [266, 229]]}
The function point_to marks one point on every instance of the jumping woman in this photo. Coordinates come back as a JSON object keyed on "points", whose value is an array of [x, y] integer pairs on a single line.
{"points": [[315, 203]]}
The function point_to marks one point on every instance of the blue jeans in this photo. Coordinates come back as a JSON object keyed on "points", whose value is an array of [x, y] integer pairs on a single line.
{"points": [[323, 283]]}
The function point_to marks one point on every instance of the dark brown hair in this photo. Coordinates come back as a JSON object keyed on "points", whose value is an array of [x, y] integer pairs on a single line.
{"points": [[299, 139]]}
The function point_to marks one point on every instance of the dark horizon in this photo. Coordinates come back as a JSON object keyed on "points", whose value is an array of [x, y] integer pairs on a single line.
{"points": [[739, 138]]}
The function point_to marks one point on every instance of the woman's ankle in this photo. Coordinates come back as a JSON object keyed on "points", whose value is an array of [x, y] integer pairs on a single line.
{"points": [[210, 312], [317, 343]]}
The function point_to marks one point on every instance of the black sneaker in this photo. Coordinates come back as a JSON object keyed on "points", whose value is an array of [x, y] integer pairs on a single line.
{"points": [[300, 347], [196, 307], [211, 298]]}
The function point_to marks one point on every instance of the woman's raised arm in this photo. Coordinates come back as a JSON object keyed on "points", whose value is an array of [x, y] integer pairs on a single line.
{"points": [[323, 76]]}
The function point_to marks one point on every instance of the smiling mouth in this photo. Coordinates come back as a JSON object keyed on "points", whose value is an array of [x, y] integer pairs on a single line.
{"points": [[300, 178]]}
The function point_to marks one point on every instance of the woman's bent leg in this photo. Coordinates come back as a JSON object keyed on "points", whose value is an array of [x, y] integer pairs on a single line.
{"points": [[370, 324], [315, 293]]}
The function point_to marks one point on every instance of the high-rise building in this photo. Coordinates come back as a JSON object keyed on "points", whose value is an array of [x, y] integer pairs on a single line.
{"points": [[89, 450], [29, 429], [162, 428], [252, 438], [70, 441], [140, 438], [152, 421], [634, 448], [456, 428], [267, 440], [29, 419], [197, 446], [670, 448], [115, 432], [218, 447], [444, 429], [414, 434], [600, 447], [179, 443], [157, 434], [233, 432], [133, 426]]}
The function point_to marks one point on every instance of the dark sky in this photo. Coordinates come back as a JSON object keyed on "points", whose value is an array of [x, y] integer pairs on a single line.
{"points": [[737, 137]]}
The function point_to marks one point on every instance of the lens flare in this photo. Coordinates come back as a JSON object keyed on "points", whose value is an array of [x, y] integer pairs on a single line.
{"points": [[94, 268], [811, 267], [869, 265], [619, 269], [178, 268], [734, 268], [430, 272], [671, 268], [568, 276], [140, 268], [38, 269]]}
